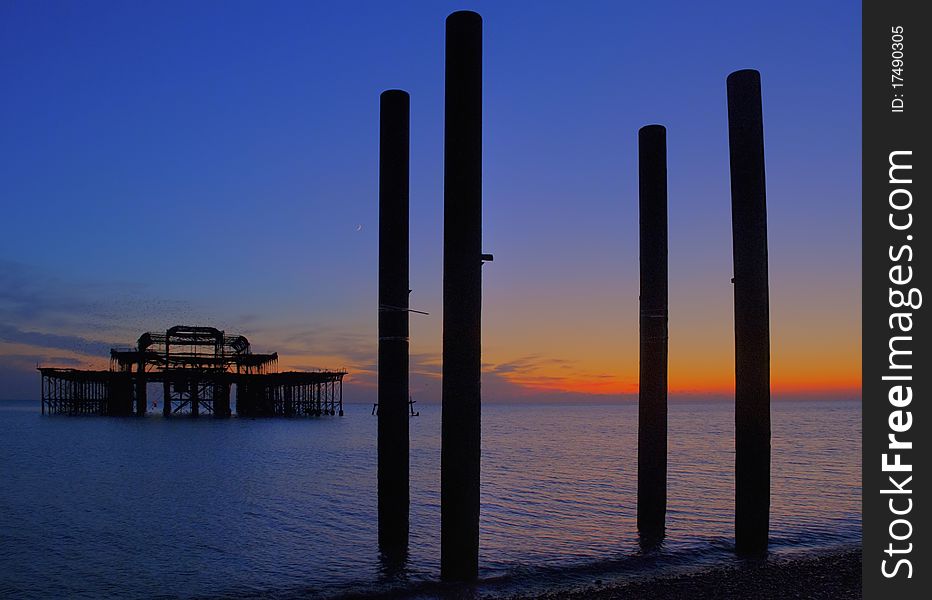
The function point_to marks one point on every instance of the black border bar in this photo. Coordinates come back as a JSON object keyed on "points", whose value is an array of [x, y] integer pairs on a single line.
{"points": [[896, 366]]}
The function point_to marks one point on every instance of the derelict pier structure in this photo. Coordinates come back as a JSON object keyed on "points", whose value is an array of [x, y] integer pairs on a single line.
{"points": [[197, 368]]}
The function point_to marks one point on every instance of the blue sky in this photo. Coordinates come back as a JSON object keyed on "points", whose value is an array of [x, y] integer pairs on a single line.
{"points": [[216, 163]]}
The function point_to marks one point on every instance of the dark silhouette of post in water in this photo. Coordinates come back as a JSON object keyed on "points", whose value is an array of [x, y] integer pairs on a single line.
{"points": [[166, 396], [462, 299], [393, 325], [141, 399], [752, 318], [652, 389]]}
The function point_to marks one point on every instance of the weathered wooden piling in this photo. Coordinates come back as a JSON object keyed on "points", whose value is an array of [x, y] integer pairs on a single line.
{"points": [[752, 318], [166, 397], [652, 389], [222, 399], [393, 324], [462, 298], [194, 396], [141, 396]]}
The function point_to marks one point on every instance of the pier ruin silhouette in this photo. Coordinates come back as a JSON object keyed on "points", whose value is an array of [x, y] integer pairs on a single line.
{"points": [[197, 368]]}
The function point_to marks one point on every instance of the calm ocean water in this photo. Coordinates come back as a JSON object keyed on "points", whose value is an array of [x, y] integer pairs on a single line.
{"points": [[142, 508]]}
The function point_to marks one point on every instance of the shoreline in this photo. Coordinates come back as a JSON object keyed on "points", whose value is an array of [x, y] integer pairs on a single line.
{"points": [[835, 574], [832, 573]]}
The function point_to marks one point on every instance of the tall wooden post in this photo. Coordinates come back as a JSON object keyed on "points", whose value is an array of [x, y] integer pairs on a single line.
{"points": [[462, 299], [393, 324], [652, 388], [752, 318]]}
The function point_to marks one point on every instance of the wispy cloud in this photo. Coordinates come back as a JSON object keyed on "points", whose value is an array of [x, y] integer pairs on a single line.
{"points": [[537, 373], [28, 362], [44, 313], [74, 343], [34, 299]]}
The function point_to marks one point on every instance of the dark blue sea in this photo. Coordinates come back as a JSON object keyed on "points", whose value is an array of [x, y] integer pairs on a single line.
{"points": [[94, 507]]}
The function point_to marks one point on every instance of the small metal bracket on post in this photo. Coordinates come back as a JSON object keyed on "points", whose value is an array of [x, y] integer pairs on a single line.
{"points": [[387, 308], [487, 258]]}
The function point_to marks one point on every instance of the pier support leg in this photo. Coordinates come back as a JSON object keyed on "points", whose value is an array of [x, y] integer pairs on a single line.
{"points": [[221, 399], [243, 406], [166, 397], [194, 397], [462, 298], [393, 326], [141, 400], [752, 318], [652, 389]]}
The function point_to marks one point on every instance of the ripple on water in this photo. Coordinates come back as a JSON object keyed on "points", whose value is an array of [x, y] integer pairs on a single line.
{"points": [[138, 508]]}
